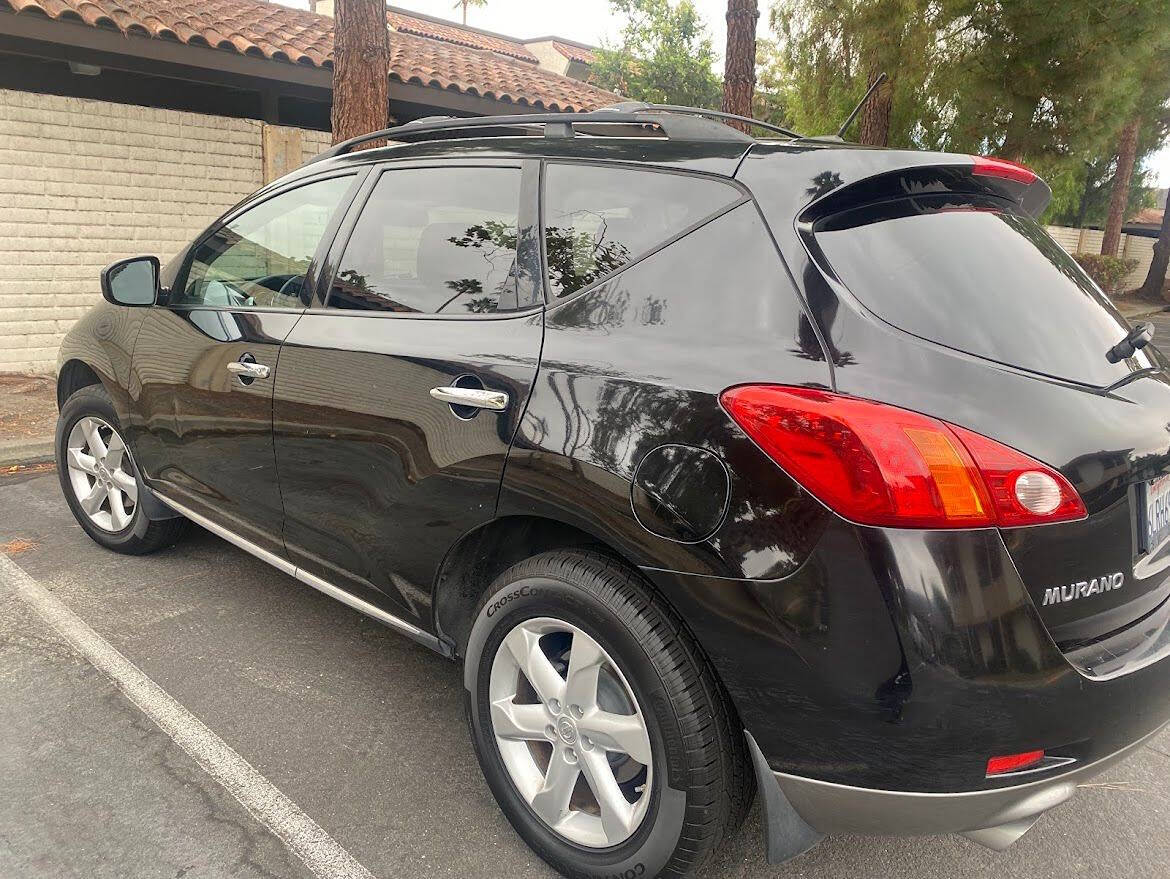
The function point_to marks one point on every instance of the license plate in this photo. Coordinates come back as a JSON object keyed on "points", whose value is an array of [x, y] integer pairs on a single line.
{"points": [[1157, 512]]}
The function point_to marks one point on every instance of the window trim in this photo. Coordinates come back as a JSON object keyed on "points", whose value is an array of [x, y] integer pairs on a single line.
{"points": [[332, 260], [555, 302], [253, 201]]}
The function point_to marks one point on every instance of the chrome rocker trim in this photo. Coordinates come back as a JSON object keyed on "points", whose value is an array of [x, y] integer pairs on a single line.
{"points": [[308, 579]]}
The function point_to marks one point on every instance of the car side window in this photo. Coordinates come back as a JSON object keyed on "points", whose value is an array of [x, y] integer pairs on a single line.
{"points": [[434, 241], [259, 259], [597, 218]]}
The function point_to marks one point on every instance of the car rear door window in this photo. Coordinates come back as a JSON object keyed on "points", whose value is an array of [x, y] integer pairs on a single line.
{"points": [[259, 259], [979, 277], [599, 218], [434, 241]]}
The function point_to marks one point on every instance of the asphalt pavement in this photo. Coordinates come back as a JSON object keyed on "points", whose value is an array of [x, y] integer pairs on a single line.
{"points": [[1161, 322], [357, 727]]}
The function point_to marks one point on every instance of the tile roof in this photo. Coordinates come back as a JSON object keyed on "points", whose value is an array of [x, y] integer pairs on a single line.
{"points": [[281, 34], [574, 53], [450, 32]]}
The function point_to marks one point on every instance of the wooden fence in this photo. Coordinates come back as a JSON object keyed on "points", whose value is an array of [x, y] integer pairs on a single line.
{"points": [[1133, 247]]}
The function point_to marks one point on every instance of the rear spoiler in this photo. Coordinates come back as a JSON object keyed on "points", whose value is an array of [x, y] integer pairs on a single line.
{"points": [[923, 173]]}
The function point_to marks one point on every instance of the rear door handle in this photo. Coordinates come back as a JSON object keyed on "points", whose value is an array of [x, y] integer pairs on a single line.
{"points": [[477, 398], [248, 370]]}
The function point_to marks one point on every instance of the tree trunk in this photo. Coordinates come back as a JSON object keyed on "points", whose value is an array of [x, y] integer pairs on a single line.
{"points": [[875, 115], [739, 76], [1156, 279], [1011, 148], [361, 69], [1119, 200], [1083, 207]]}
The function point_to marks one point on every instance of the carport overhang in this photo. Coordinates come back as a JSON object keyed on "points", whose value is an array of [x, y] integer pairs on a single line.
{"points": [[39, 54]]}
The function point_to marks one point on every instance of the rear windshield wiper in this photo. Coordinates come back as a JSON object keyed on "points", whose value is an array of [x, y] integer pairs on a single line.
{"points": [[1135, 340]]}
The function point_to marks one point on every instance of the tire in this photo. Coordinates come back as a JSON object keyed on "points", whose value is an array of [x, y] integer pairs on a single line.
{"points": [[696, 785], [125, 529]]}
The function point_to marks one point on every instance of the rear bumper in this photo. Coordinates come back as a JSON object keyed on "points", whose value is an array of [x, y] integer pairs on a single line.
{"points": [[994, 818], [901, 660]]}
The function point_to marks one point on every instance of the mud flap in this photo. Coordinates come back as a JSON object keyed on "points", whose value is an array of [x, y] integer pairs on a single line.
{"points": [[1001, 837], [786, 833]]}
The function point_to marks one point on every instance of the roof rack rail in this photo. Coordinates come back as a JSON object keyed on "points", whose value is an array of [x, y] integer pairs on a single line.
{"points": [[634, 106], [677, 123]]}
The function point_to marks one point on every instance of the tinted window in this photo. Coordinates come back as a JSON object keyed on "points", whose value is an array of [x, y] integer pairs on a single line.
{"points": [[597, 219], [979, 278], [434, 240], [260, 258]]}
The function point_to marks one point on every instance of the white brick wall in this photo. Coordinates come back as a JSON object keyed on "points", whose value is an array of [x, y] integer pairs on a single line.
{"points": [[83, 183]]}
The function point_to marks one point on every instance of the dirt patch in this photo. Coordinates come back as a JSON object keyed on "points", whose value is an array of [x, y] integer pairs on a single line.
{"points": [[28, 407], [13, 547], [26, 469]]}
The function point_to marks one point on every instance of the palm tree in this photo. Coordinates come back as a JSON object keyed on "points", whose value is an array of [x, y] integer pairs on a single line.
{"points": [[465, 3]]}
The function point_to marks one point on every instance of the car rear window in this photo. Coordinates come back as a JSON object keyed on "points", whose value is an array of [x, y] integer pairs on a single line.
{"points": [[978, 277], [599, 219]]}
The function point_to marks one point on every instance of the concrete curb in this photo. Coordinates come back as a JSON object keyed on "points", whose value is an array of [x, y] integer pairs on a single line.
{"points": [[25, 451]]}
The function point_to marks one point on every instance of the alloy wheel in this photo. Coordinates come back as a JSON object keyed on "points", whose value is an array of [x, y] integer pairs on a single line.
{"points": [[101, 474], [570, 732]]}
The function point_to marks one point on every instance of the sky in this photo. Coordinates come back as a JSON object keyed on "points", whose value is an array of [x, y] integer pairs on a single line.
{"points": [[590, 21]]}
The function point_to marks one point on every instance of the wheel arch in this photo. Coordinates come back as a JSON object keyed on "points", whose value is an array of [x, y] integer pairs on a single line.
{"points": [[74, 375], [481, 555], [473, 563]]}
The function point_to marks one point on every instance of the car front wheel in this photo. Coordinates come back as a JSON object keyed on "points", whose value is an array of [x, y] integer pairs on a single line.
{"points": [[599, 725], [100, 482]]}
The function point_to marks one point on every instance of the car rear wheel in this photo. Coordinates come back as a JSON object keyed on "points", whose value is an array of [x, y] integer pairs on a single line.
{"points": [[100, 481], [598, 723]]}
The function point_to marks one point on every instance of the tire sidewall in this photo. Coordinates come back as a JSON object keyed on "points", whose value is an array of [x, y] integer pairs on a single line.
{"points": [[93, 400], [539, 594]]}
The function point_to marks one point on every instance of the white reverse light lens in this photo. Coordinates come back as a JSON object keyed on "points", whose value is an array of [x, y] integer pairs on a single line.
{"points": [[1037, 492]]}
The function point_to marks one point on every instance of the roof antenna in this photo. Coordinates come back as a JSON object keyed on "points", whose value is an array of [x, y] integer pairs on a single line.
{"points": [[841, 131]]}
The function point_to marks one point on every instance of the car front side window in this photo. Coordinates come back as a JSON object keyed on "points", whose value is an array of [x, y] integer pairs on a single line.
{"points": [[260, 258]]}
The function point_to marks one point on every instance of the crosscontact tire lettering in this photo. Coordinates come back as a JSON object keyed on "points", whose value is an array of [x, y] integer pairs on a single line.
{"points": [[632, 873], [498, 604]]}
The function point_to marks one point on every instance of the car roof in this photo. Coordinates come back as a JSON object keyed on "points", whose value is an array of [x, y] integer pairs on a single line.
{"points": [[713, 157]]}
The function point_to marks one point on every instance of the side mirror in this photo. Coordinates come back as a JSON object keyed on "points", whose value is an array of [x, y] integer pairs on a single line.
{"points": [[132, 281]]}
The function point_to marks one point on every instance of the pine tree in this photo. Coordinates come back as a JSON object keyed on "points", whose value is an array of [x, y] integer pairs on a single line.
{"points": [[739, 74], [361, 69], [1155, 282], [1119, 199], [835, 49]]}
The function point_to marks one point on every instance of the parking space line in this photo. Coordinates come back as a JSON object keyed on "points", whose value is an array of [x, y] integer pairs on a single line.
{"points": [[319, 851]]}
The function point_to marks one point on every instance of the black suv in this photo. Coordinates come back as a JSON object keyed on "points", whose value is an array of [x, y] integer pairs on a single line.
{"points": [[719, 463]]}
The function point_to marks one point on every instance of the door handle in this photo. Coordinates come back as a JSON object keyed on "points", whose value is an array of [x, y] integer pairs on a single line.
{"points": [[477, 398], [248, 370]]}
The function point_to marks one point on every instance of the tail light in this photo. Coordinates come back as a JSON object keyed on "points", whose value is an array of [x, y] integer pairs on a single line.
{"points": [[880, 465]]}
